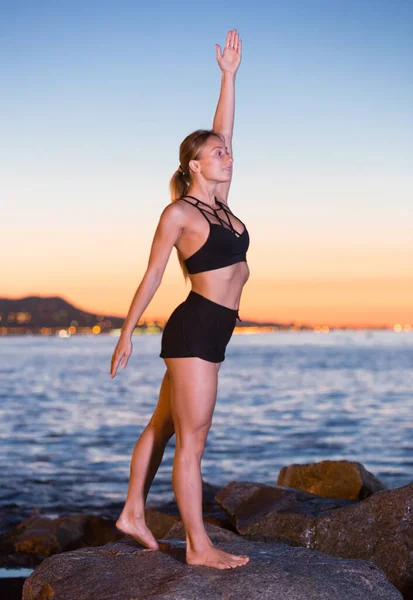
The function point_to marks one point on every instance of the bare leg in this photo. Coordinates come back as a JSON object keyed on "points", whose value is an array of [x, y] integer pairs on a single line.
{"points": [[193, 397], [146, 458]]}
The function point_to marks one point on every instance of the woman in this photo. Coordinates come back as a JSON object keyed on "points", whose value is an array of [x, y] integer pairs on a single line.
{"points": [[211, 244]]}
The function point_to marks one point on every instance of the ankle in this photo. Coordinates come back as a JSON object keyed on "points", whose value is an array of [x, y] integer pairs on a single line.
{"points": [[198, 543], [132, 513]]}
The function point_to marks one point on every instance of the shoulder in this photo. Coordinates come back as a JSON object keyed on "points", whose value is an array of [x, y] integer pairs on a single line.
{"points": [[173, 213], [185, 209]]}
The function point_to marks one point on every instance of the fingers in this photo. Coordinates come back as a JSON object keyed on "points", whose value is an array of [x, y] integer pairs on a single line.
{"points": [[233, 40], [218, 51], [114, 366], [116, 358], [227, 41], [120, 355]]}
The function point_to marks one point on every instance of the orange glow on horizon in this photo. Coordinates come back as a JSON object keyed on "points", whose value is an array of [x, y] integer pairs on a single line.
{"points": [[313, 303]]}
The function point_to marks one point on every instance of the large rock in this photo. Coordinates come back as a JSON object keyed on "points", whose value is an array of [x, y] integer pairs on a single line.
{"points": [[332, 479], [264, 511], [124, 571], [378, 529], [36, 537], [160, 518], [42, 536]]}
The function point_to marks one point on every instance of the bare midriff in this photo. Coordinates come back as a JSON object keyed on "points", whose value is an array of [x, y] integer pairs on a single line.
{"points": [[224, 285]]}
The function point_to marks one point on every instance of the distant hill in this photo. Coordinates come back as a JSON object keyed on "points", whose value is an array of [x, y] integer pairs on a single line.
{"points": [[35, 312], [52, 311]]}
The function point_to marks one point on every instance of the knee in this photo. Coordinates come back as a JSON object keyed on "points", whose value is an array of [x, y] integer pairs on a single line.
{"points": [[192, 443]]}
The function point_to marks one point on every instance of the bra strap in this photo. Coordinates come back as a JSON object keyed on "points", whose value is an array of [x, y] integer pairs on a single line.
{"points": [[227, 224], [196, 206]]}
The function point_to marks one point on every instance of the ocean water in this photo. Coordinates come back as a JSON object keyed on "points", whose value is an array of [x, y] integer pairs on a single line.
{"points": [[67, 430]]}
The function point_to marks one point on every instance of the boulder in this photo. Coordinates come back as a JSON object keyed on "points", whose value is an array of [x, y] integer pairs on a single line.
{"points": [[378, 529], [125, 571], [264, 511], [36, 537], [332, 479], [42, 536], [160, 518]]}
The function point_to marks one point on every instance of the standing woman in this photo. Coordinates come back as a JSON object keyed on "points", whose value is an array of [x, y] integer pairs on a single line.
{"points": [[211, 243]]}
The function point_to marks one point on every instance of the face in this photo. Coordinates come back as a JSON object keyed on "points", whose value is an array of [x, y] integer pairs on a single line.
{"points": [[215, 162]]}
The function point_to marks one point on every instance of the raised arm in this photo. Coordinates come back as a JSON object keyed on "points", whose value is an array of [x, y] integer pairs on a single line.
{"points": [[228, 62]]}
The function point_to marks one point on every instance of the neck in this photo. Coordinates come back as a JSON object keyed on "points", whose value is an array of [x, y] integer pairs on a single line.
{"points": [[206, 193]]}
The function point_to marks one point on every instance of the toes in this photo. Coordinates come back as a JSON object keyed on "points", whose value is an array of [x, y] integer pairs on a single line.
{"points": [[237, 558]]}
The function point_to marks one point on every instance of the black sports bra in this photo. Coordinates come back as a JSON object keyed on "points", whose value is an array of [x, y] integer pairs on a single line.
{"points": [[224, 246]]}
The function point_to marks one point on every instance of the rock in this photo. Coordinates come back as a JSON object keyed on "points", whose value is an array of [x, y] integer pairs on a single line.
{"points": [[125, 571], [332, 479], [378, 529], [160, 521], [42, 536], [37, 537], [264, 511], [162, 517], [12, 515]]}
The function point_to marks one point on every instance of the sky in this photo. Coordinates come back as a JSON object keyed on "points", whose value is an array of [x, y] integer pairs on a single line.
{"points": [[97, 97]]}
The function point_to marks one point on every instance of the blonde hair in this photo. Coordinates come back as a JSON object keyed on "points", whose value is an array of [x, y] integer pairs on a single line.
{"points": [[190, 149]]}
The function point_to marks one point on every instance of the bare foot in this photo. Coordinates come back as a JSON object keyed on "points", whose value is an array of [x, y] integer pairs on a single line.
{"points": [[212, 557], [137, 529]]}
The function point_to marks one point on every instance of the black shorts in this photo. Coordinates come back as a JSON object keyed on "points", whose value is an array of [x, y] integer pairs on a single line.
{"points": [[198, 327]]}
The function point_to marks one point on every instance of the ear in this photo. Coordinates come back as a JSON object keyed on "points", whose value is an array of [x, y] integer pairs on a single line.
{"points": [[194, 166]]}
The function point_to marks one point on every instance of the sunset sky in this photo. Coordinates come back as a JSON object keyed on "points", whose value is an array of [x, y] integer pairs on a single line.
{"points": [[97, 96]]}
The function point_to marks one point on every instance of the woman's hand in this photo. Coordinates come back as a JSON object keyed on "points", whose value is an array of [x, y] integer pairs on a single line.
{"points": [[230, 59], [123, 351]]}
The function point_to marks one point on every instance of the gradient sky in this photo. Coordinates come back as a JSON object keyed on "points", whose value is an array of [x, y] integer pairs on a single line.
{"points": [[97, 96]]}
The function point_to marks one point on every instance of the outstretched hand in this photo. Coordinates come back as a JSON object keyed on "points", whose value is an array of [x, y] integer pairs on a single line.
{"points": [[230, 59], [122, 353]]}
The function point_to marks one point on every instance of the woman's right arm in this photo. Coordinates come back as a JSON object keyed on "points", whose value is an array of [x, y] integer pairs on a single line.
{"points": [[167, 233]]}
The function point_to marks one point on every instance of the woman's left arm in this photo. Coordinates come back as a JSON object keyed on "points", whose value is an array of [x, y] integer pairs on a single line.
{"points": [[228, 62]]}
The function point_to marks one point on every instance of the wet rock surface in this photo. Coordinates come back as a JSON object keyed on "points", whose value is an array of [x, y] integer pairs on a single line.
{"points": [[332, 479], [125, 571], [378, 529]]}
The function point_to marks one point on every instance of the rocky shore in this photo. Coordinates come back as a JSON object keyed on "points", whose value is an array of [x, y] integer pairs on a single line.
{"points": [[328, 530]]}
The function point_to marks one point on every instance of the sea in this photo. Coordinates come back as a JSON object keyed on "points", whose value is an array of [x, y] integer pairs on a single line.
{"points": [[67, 430]]}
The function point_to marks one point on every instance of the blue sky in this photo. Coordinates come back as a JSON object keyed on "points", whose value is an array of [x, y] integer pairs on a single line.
{"points": [[97, 97]]}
